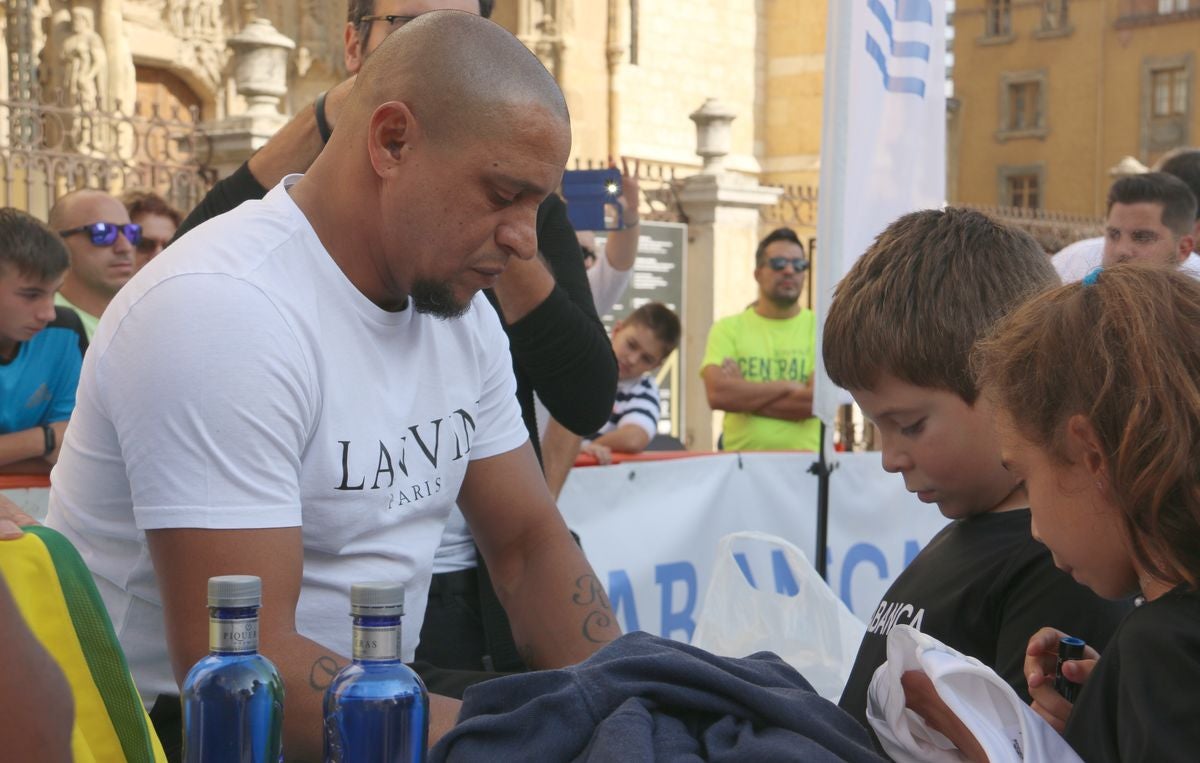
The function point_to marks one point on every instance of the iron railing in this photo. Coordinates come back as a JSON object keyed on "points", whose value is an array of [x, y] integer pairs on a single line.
{"points": [[48, 149]]}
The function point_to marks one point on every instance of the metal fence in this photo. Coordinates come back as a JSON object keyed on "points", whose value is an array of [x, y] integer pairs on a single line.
{"points": [[48, 149], [1052, 230], [796, 208]]}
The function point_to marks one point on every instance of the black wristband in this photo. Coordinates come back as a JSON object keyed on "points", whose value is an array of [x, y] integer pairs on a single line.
{"points": [[48, 433], [322, 123]]}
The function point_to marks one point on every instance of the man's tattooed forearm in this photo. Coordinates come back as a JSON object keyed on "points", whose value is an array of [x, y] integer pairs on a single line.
{"points": [[599, 622], [596, 626], [322, 672], [589, 591]]}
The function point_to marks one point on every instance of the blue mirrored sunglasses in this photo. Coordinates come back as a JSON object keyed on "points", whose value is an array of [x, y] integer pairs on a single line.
{"points": [[799, 264], [105, 234]]}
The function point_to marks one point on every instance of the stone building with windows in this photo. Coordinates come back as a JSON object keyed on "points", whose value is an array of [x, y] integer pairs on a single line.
{"points": [[1057, 97]]}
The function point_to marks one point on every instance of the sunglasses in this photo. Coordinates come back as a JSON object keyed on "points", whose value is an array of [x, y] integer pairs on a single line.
{"points": [[799, 264], [391, 19], [105, 234], [151, 245]]}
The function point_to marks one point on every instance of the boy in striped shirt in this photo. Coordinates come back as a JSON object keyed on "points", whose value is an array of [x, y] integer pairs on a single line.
{"points": [[641, 343]]}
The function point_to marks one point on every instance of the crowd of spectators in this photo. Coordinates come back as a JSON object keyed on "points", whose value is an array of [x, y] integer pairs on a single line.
{"points": [[242, 392]]}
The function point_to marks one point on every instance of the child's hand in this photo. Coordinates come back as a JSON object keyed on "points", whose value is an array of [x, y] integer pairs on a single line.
{"points": [[1041, 657], [730, 368], [602, 453], [922, 698]]}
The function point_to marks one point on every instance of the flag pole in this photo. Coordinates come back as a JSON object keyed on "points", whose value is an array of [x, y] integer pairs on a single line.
{"points": [[825, 262], [822, 468], [883, 128]]}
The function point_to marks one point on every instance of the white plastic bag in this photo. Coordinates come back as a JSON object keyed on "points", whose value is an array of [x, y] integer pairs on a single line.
{"points": [[812, 630]]}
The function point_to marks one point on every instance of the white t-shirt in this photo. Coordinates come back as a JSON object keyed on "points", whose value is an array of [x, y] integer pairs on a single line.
{"points": [[1076, 260], [241, 381], [1008, 730], [608, 283], [637, 402], [457, 549]]}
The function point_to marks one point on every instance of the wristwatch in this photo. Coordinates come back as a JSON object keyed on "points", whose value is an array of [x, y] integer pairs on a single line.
{"points": [[48, 433]]}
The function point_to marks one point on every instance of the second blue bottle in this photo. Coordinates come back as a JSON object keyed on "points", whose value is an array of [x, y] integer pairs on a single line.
{"points": [[377, 708]]}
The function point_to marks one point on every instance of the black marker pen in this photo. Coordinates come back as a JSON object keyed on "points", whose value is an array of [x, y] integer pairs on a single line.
{"points": [[1069, 648]]}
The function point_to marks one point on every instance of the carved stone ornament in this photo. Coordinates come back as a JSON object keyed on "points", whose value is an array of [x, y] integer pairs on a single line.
{"points": [[260, 71], [84, 61]]}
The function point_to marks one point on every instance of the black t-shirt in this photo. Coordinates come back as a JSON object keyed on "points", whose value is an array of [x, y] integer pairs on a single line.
{"points": [[1142, 701], [983, 586]]}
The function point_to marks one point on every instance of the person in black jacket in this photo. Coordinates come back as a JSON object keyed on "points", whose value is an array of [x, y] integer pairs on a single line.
{"points": [[559, 346]]}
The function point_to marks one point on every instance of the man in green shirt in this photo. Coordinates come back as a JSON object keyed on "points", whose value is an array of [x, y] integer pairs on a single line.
{"points": [[96, 228], [758, 364]]}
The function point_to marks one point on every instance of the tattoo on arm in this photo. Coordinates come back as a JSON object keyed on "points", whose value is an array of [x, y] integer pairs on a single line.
{"points": [[589, 593], [320, 676]]}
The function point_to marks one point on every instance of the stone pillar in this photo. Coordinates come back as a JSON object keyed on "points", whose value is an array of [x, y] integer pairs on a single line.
{"points": [[723, 230], [260, 74]]}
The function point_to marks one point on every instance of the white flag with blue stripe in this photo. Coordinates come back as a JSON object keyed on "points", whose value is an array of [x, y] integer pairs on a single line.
{"points": [[883, 140]]}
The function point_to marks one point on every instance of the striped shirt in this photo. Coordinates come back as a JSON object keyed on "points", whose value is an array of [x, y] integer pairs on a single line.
{"points": [[636, 404]]}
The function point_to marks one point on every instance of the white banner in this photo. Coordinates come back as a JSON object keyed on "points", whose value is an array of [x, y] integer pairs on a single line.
{"points": [[33, 501], [650, 529], [883, 139]]}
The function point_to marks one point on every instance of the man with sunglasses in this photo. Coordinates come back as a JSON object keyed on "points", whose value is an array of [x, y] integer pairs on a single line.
{"points": [[758, 364], [101, 241], [560, 350]]}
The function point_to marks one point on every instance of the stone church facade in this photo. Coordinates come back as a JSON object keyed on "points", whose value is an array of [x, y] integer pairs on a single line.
{"points": [[633, 70]]}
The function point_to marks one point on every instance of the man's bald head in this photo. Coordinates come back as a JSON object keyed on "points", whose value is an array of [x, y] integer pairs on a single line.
{"points": [[81, 202], [460, 74]]}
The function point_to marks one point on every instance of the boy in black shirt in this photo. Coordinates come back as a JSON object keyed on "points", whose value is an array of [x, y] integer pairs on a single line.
{"points": [[898, 336]]}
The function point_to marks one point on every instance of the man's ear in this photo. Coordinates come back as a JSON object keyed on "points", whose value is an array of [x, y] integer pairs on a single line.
{"points": [[1084, 446], [393, 130], [1186, 244], [352, 48]]}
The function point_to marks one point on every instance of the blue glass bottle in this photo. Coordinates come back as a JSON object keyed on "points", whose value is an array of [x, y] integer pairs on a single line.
{"points": [[233, 698], [377, 708]]}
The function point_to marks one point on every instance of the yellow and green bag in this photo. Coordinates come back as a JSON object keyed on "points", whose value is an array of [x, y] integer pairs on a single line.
{"points": [[54, 590]]}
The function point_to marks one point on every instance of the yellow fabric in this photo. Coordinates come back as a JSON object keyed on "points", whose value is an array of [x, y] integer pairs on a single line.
{"points": [[29, 571], [765, 350]]}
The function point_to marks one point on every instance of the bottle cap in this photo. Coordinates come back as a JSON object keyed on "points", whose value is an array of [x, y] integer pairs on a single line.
{"points": [[1070, 648], [235, 591], [377, 599]]}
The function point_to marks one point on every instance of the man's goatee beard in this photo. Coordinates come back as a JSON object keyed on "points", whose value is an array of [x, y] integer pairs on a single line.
{"points": [[437, 299]]}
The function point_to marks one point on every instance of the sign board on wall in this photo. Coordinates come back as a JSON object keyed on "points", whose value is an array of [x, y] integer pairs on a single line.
{"points": [[657, 277]]}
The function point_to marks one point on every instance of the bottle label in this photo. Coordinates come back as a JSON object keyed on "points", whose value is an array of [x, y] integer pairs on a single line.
{"points": [[377, 643], [236, 636]]}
